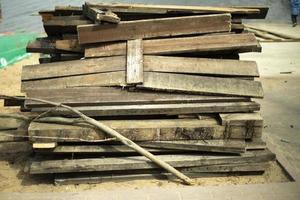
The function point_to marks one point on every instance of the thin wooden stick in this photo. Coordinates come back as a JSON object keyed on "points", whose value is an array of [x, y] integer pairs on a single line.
{"points": [[115, 134]]}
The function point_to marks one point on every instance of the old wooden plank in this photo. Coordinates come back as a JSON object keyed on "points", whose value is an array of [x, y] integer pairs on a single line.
{"points": [[15, 147], [11, 121], [68, 45], [134, 67], [153, 28], [200, 66], [157, 109], [13, 135], [221, 146], [241, 118], [98, 16], [195, 172], [164, 9], [96, 96], [202, 84], [44, 145], [112, 164], [240, 43], [76, 67], [102, 79], [141, 130]]}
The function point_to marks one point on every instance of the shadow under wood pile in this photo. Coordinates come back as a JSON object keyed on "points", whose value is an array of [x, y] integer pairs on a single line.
{"points": [[166, 77]]}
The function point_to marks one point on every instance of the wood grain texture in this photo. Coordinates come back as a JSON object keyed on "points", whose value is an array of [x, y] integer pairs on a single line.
{"points": [[245, 42], [153, 28], [142, 130], [134, 67], [202, 84]]}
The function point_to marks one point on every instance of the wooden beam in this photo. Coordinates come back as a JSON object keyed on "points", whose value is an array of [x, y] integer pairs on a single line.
{"points": [[157, 109], [240, 43], [98, 15], [113, 164], [142, 130], [134, 67], [154, 28], [201, 84]]}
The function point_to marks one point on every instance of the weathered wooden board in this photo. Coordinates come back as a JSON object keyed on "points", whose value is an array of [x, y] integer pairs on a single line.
{"points": [[221, 146], [215, 67], [43, 45], [241, 118], [193, 172], [15, 147], [202, 84], [164, 9], [142, 130], [134, 67], [102, 79], [13, 135], [157, 109], [240, 43], [49, 145], [96, 96], [76, 67], [204, 66], [133, 163], [98, 15], [148, 28], [11, 121]]}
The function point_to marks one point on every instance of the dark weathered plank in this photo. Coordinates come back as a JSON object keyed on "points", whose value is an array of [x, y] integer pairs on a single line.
{"points": [[198, 44], [195, 172], [202, 84], [134, 67], [102, 79], [96, 96], [15, 147], [68, 45], [132, 163], [142, 130], [154, 27], [13, 135], [222, 146], [98, 16], [157, 109]]}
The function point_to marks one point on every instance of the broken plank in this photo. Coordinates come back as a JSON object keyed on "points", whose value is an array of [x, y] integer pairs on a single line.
{"points": [[240, 43], [153, 28], [113, 164], [221, 146], [71, 68], [102, 79], [96, 96], [156, 109], [201, 84], [141, 130], [134, 67], [98, 16], [200, 66]]}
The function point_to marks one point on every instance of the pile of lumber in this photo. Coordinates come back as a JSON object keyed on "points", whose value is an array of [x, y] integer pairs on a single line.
{"points": [[166, 77]]}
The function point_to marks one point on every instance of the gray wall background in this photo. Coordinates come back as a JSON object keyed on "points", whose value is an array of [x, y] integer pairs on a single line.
{"points": [[22, 15]]}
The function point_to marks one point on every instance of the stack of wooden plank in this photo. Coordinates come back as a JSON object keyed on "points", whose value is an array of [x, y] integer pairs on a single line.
{"points": [[166, 77]]}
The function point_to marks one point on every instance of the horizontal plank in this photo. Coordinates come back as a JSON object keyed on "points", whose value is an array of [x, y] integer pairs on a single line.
{"points": [[132, 163], [202, 84], [71, 68], [102, 79], [157, 109], [163, 9], [96, 96], [142, 130], [68, 45], [15, 147], [241, 118], [195, 172], [240, 43], [221, 146], [13, 135], [148, 28]]}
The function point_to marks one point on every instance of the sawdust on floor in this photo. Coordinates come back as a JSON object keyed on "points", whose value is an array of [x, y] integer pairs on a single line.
{"points": [[14, 179]]}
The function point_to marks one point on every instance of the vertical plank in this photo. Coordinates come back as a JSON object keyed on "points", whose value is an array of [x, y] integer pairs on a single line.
{"points": [[134, 71]]}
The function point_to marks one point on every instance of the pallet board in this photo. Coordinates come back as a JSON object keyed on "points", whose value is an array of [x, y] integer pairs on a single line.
{"points": [[153, 28]]}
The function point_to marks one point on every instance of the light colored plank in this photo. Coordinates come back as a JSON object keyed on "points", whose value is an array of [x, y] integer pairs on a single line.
{"points": [[241, 118], [49, 145], [134, 67]]}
